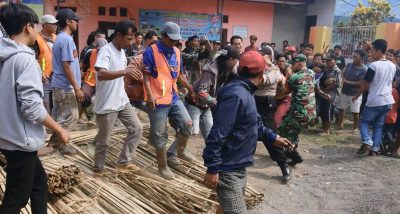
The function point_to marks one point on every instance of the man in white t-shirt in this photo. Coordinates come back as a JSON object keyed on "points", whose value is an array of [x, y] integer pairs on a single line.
{"points": [[378, 81], [112, 102]]}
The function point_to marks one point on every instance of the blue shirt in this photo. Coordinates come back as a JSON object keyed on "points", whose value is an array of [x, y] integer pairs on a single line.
{"points": [[64, 50], [170, 56]]}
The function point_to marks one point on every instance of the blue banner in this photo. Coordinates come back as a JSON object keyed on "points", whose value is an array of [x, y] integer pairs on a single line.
{"points": [[199, 24]]}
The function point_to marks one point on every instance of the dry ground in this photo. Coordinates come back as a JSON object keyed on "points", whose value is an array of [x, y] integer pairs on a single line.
{"points": [[332, 179]]}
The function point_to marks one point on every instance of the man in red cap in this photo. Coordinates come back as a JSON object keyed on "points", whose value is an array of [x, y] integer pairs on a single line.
{"points": [[232, 141]]}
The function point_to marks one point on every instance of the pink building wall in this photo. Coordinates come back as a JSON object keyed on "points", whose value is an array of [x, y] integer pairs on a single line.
{"points": [[258, 17]]}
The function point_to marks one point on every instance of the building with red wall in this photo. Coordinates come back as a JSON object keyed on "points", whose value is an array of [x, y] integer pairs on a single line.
{"points": [[270, 20], [256, 16]]}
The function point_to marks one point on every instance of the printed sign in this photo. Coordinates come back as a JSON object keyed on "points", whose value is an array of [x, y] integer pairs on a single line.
{"points": [[199, 24], [240, 31]]}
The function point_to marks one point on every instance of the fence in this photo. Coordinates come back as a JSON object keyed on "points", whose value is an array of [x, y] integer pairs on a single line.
{"points": [[350, 37]]}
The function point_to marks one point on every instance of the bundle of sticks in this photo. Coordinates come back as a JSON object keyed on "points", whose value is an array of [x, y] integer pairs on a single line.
{"points": [[27, 209], [62, 174], [117, 191]]}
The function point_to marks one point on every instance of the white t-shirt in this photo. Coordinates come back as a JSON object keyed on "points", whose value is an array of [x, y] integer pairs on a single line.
{"points": [[380, 89], [110, 94]]}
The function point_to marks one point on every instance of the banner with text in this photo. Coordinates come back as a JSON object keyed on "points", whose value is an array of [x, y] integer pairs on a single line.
{"points": [[199, 24]]}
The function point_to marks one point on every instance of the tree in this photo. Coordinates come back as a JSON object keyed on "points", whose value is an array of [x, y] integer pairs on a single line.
{"points": [[377, 12]]}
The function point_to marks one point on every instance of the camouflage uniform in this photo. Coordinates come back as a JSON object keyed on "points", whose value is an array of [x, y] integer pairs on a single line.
{"points": [[302, 107]]}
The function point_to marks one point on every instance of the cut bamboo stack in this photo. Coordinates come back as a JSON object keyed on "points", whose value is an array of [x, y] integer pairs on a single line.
{"points": [[26, 210], [142, 191], [62, 174]]}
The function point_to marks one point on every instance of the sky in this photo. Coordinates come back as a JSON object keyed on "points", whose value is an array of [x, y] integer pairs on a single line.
{"points": [[343, 9]]}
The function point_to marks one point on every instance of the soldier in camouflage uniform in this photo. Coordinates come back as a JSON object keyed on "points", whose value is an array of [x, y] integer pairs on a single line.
{"points": [[302, 108]]}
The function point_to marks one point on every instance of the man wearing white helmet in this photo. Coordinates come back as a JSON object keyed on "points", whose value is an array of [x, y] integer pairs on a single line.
{"points": [[43, 48]]}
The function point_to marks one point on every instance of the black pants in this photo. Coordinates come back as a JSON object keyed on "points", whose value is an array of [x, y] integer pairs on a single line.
{"points": [[266, 108], [277, 154], [26, 179]]}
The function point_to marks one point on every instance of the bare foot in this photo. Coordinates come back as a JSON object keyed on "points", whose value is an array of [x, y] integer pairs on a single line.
{"points": [[82, 121]]}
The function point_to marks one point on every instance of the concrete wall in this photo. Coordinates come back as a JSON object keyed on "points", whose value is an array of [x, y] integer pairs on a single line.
{"points": [[258, 17], [324, 10], [390, 32], [289, 24]]}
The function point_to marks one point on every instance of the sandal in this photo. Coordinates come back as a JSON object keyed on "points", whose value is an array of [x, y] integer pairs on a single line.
{"points": [[355, 131]]}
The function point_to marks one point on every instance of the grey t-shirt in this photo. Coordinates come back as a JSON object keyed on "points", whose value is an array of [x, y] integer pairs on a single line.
{"points": [[110, 94], [353, 73]]}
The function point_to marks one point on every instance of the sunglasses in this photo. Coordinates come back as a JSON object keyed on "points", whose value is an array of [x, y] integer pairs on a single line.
{"points": [[173, 40]]}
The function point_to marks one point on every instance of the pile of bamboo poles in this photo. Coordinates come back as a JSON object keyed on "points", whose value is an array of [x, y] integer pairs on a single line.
{"points": [[62, 174], [26, 210], [142, 191]]}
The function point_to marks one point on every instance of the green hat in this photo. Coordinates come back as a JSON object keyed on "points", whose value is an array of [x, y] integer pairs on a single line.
{"points": [[299, 58]]}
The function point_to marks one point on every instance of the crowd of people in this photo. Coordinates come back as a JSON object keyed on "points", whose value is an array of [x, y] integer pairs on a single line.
{"points": [[233, 96]]}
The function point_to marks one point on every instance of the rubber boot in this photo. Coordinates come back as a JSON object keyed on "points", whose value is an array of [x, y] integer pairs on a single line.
{"points": [[163, 168], [181, 143], [286, 172]]}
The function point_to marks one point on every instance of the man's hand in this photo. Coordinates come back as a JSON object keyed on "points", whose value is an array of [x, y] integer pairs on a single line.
{"points": [[283, 142], [64, 136], [326, 97], [133, 72], [211, 180], [354, 98], [151, 102], [45, 78], [80, 97]]}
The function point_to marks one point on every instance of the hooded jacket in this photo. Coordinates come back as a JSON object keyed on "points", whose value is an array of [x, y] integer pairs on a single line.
{"points": [[237, 128], [21, 106], [206, 86]]}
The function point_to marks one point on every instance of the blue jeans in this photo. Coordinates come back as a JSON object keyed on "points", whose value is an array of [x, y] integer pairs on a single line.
{"points": [[375, 116], [179, 119], [202, 120]]}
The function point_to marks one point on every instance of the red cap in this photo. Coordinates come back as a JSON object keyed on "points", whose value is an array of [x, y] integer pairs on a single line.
{"points": [[291, 48], [254, 61]]}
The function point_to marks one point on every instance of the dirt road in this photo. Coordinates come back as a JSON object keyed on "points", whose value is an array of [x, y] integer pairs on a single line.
{"points": [[332, 179]]}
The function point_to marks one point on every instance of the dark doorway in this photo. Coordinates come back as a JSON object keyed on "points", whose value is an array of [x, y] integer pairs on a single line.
{"points": [[310, 22], [108, 28], [224, 36]]}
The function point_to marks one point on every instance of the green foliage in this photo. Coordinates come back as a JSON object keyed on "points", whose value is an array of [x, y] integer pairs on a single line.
{"points": [[375, 13]]}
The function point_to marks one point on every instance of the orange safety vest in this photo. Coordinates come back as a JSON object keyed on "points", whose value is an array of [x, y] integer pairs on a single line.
{"points": [[162, 87], [45, 57], [90, 76]]}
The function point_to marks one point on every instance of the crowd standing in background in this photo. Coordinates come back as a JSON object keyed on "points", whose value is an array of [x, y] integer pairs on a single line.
{"points": [[232, 95]]}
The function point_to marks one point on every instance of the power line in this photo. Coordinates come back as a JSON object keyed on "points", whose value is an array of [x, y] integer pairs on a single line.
{"points": [[349, 3]]}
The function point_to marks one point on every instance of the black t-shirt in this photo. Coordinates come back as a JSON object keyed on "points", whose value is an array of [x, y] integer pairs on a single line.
{"points": [[84, 51], [340, 62], [86, 60]]}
